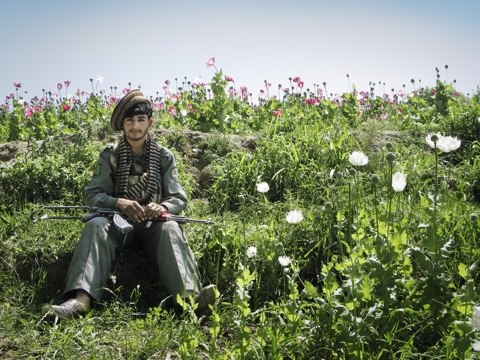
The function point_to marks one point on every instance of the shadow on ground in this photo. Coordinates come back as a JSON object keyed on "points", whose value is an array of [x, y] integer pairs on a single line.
{"points": [[137, 279]]}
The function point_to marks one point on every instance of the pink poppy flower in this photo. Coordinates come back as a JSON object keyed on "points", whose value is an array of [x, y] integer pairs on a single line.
{"points": [[28, 112], [311, 101], [210, 62], [172, 110]]}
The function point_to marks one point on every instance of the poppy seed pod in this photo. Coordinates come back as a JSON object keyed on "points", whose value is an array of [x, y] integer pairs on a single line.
{"points": [[390, 157]]}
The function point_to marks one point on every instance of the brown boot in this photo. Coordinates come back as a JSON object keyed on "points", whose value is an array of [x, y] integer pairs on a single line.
{"points": [[205, 301]]}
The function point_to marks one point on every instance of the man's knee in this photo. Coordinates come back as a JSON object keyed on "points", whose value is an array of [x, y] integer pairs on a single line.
{"points": [[96, 232], [97, 223], [170, 226]]}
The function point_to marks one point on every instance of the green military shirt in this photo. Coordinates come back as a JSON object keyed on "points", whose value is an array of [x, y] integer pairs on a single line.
{"points": [[101, 190]]}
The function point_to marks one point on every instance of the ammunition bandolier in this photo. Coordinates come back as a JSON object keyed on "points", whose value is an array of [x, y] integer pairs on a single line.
{"points": [[146, 189]]}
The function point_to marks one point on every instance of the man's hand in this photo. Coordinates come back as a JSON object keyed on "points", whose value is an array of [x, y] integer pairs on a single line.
{"points": [[131, 208], [154, 211]]}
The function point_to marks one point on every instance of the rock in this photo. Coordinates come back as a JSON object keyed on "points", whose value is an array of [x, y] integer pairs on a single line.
{"points": [[8, 151]]}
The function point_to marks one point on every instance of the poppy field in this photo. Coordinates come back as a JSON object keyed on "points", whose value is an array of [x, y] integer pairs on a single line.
{"points": [[345, 225]]}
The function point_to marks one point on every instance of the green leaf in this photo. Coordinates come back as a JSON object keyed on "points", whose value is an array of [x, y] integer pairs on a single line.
{"points": [[462, 270], [330, 284], [310, 289], [366, 289]]}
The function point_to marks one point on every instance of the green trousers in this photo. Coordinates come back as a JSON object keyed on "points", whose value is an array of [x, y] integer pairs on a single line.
{"points": [[100, 241]]}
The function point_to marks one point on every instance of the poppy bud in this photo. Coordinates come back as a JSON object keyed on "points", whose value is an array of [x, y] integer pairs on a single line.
{"points": [[390, 157]]}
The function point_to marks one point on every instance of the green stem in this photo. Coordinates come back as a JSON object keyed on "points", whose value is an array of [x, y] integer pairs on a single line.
{"points": [[349, 214], [376, 206], [435, 203], [435, 313], [389, 210]]}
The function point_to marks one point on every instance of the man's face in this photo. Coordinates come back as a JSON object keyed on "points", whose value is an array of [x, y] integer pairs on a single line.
{"points": [[135, 128]]}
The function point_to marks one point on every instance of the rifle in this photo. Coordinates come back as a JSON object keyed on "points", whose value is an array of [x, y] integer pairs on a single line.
{"points": [[118, 217]]}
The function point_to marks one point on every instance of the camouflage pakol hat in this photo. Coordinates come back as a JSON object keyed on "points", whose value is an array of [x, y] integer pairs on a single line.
{"points": [[134, 97]]}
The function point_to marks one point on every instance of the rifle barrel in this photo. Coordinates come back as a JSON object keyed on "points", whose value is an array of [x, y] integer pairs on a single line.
{"points": [[40, 213]]}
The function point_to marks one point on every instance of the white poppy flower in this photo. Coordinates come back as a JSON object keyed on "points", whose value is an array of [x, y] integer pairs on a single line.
{"points": [[358, 158], [399, 181], [476, 317], [251, 252], [443, 143], [294, 217], [263, 187], [448, 143], [284, 260], [476, 345]]}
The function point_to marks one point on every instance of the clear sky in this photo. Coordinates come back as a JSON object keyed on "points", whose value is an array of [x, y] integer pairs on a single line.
{"points": [[147, 42]]}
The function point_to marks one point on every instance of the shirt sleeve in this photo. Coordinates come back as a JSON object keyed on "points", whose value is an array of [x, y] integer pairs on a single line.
{"points": [[174, 198], [99, 192]]}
